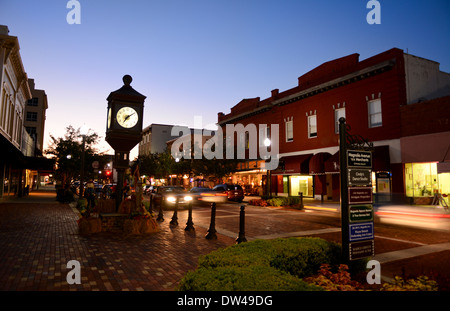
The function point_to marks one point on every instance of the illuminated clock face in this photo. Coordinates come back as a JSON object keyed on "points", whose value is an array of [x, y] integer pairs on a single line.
{"points": [[127, 117], [109, 118]]}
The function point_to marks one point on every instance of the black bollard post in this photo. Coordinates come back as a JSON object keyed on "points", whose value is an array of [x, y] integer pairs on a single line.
{"points": [[160, 213], [211, 235], [190, 223], [241, 238], [174, 221]]}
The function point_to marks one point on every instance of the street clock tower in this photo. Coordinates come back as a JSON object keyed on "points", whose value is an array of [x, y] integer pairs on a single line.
{"points": [[124, 126]]}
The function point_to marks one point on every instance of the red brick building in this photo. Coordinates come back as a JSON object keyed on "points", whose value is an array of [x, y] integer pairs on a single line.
{"points": [[370, 94]]}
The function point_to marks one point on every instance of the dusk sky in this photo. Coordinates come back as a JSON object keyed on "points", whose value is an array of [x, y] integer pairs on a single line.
{"points": [[197, 57]]}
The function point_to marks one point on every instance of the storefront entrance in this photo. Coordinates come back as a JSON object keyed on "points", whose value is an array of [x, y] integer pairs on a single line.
{"points": [[302, 184]]}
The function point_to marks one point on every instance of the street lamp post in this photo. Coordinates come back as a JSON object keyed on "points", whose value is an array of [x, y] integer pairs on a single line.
{"points": [[267, 144], [83, 132]]}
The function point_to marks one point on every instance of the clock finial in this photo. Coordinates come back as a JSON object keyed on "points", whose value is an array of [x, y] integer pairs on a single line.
{"points": [[127, 79]]}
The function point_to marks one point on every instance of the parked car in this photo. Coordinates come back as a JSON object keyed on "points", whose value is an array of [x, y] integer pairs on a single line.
{"points": [[207, 195], [168, 195], [233, 192]]}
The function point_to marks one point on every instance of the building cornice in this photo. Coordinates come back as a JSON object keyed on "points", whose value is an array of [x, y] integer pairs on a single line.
{"points": [[12, 51], [338, 82], [321, 88]]}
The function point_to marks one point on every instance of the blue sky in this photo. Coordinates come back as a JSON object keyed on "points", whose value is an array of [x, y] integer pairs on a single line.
{"points": [[198, 57]]}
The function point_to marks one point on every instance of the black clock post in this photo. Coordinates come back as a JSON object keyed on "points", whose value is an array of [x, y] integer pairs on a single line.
{"points": [[124, 128]]}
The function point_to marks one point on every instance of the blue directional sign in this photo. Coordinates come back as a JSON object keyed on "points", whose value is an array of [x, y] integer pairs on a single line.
{"points": [[361, 231]]}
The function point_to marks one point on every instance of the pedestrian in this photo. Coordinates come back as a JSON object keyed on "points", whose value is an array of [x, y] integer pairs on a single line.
{"points": [[89, 194]]}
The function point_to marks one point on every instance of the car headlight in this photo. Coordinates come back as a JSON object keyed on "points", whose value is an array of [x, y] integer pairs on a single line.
{"points": [[171, 199], [188, 198]]}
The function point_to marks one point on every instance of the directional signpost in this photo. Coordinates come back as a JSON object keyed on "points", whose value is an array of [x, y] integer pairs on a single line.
{"points": [[356, 197]]}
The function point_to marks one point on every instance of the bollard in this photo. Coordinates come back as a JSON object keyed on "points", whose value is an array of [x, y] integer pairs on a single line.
{"points": [[301, 199], [160, 213], [190, 223], [211, 235], [150, 209], [174, 221], [241, 238]]}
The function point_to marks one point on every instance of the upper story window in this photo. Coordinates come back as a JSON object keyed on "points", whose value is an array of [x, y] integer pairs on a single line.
{"points": [[289, 125], [31, 116], [33, 102], [312, 126], [374, 108]]}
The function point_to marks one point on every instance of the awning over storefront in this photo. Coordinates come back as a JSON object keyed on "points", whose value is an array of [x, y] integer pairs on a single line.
{"points": [[39, 164], [12, 155], [294, 165], [443, 167], [317, 163], [426, 148]]}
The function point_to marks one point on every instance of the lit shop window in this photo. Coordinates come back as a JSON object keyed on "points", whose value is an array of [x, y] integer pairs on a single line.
{"points": [[302, 184], [421, 179]]}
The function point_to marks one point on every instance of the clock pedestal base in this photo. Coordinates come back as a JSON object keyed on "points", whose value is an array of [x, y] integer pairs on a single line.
{"points": [[121, 163]]}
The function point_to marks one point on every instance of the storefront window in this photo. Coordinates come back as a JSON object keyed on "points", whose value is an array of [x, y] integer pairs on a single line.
{"points": [[444, 183], [301, 184], [421, 179]]}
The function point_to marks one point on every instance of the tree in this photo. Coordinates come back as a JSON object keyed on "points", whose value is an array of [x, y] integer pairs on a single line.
{"points": [[67, 152], [158, 165]]}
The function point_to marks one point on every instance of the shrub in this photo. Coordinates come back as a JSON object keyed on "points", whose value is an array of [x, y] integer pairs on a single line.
{"points": [[236, 278], [276, 202], [339, 281], [273, 263], [258, 202], [304, 257], [82, 203], [421, 283], [284, 201]]}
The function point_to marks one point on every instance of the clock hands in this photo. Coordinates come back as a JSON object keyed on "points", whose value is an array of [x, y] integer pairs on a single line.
{"points": [[128, 116]]}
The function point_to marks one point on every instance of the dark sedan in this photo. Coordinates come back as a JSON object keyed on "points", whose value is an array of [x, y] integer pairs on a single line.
{"points": [[168, 195]]}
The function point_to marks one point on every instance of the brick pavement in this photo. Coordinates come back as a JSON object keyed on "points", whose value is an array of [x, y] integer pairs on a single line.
{"points": [[38, 236], [37, 240]]}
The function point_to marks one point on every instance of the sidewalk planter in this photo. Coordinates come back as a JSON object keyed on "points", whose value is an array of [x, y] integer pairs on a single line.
{"points": [[89, 225], [113, 222], [140, 226], [106, 206]]}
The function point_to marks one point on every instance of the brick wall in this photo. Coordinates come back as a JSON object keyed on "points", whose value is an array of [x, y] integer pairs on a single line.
{"points": [[432, 116]]}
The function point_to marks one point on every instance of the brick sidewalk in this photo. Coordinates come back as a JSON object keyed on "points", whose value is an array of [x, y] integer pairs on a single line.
{"points": [[37, 241], [38, 236]]}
